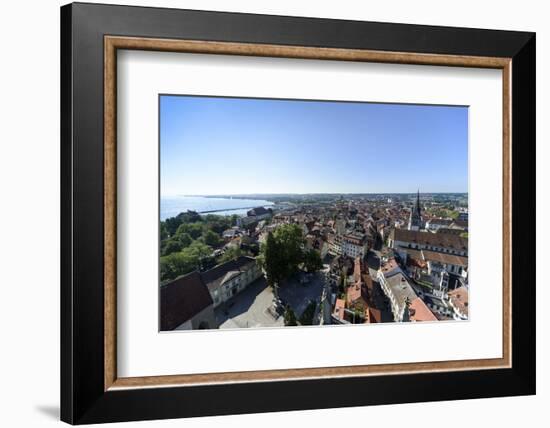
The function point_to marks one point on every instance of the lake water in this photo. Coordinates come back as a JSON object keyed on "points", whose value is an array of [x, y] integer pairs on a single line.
{"points": [[172, 206]]}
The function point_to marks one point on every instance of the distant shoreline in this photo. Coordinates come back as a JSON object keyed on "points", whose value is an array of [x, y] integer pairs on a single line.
{"points": [[172, 206], [249, 195]]}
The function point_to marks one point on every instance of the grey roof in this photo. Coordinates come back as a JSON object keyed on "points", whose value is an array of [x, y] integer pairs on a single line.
{"points": [[220, 274], [257, 211], [400, 288]]}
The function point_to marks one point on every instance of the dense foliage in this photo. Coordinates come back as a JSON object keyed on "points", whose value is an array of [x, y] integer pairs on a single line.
{"points": [[231, 253], [184, 261], [312, 261], [188, 240], [283, 253]]}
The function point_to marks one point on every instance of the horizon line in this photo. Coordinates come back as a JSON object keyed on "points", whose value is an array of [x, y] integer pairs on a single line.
{"points": [[312, 193]]}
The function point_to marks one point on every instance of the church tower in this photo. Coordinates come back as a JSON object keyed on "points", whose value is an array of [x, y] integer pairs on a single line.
{"points": [[415, 219]]}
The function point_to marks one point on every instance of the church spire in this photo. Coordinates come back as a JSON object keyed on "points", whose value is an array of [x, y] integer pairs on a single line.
{"points": [[415, 219]]}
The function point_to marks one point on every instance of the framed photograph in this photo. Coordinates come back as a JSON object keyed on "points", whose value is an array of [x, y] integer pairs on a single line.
{"points": [[259, 211]]}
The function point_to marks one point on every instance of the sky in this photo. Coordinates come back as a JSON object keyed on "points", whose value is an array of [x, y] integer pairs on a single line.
{"points": [[223, 146]]}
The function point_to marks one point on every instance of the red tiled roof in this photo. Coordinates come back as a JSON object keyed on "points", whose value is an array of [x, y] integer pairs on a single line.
{"points": [[339, 308], [420, 312], [353, 293], [375, 315], [459, 299], [445, 258], [389, 266]]}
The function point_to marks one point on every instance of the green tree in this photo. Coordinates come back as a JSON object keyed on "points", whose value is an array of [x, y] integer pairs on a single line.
{"points": [[312, 261], [189, 217], [176, 243], [271, 260], [211, 238], [192, 229], [170, 246], [187, 260], [289, 317], [217, 223], [176, 264], [282, 253], [184, 239], [171, 224], [290, 240], [163, 231], [198, 249], [231, 253]]}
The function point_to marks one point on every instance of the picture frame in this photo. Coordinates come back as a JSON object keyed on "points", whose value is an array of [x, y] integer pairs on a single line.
{"points": [[91, 35]]}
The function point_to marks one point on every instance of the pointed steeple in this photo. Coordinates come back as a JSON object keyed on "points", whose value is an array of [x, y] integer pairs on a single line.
{"points": [[415, 219]]}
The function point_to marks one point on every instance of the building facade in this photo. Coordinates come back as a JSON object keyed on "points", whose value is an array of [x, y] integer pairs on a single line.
{"points": [[354, 245], [228, 279]]}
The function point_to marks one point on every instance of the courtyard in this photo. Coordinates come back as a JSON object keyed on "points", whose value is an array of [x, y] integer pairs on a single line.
{"points": [[253, 307], [250, 308]]}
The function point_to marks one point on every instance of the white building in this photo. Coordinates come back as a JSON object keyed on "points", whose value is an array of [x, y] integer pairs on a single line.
{"points": [[398, 290], [335, 244], [354, 245], [438, 262], [226, 280]]}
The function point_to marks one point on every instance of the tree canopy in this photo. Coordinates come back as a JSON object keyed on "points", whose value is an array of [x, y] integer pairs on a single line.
{"points": [[231, 253], [312, 261], [184, 261], [283, 253], [187, 242]]}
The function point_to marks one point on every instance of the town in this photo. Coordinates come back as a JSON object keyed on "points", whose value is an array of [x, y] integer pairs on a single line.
{"points": [[315, 260]]}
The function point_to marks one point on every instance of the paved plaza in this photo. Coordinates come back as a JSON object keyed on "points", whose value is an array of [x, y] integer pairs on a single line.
{"points": [[252, 307], [298, 295], [249, 308]]}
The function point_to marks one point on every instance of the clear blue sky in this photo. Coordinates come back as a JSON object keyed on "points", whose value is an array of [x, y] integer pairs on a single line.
{"points": [[212, 145]]}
